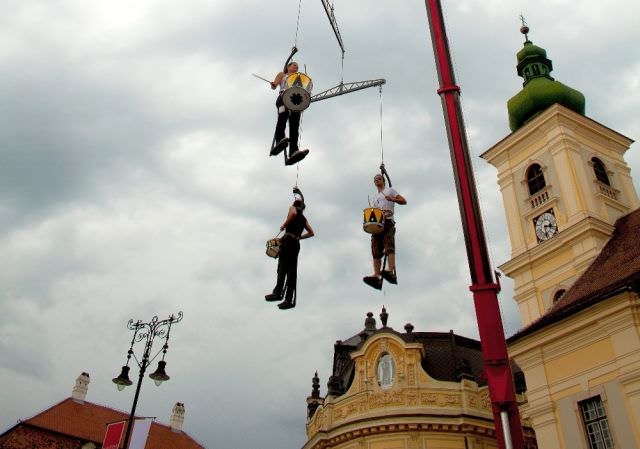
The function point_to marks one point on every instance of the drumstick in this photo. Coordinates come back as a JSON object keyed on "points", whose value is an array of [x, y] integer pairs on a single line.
{"points": [[263, 79]]}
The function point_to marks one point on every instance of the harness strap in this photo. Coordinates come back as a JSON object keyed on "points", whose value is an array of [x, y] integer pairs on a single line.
{"points": [[385, 174]]}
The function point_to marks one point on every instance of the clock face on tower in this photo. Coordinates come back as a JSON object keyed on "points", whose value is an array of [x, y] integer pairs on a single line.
{"points": [[546, 225]]}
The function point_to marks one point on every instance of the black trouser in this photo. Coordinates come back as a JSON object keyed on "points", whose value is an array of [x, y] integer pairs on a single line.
{"points": [[294, 125], [287, 266]]}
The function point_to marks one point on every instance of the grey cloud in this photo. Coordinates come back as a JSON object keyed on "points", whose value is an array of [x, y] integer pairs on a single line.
{"points": [[136, 181]]}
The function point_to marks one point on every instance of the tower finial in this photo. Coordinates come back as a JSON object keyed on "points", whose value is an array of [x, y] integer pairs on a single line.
{"points": [[384, 316], [370, 323], [314, 401], [524, 29], [315, 386]]}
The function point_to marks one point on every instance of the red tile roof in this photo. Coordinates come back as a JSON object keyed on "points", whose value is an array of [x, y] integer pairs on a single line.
{"points": [[87, 421], [616, 268], [26, 437]]}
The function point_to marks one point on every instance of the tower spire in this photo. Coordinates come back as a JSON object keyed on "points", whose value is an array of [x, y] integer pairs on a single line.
{"points": [[540, 90], [314, 401], [524, 29]]}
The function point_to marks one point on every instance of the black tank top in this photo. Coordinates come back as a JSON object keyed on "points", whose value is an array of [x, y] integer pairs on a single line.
{"points": [[297, 224]]}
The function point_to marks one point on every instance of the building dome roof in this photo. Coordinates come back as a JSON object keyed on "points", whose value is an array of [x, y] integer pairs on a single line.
{"points": [[537, 95], [539, 90], [530, 50]]}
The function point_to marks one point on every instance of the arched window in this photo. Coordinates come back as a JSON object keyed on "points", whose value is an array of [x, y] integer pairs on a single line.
{"points": [[559, 294], [519, 382], [535, 179], [600, 171]]}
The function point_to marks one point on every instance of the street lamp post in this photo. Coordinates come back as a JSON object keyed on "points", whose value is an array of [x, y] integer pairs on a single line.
{"points": [[145, 332]]}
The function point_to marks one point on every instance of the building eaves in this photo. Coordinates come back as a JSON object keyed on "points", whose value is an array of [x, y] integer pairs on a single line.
{"points": [[616, 269]]}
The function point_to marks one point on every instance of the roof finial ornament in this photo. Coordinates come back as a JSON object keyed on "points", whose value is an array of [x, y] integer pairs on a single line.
{"points": [[384, 316], [370, 323], [524, 29], [314, 401], [315, 386]]}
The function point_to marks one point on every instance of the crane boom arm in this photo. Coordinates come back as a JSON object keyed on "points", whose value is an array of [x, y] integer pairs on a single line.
{"points": [[342, 89], [334, 24]]}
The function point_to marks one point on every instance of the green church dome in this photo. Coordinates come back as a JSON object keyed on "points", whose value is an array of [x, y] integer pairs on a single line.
{"points": [[530, 51], [539, 90]]}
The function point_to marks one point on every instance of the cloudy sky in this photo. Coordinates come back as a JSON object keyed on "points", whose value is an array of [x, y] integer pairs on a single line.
{"points": [[135, 181]]}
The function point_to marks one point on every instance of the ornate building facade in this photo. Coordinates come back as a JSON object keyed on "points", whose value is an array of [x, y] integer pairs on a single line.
{"points": [[574, 223], [410, 390], [573, 219]]}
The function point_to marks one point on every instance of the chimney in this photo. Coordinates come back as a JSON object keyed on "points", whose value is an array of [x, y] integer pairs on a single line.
{"points": [[79, 392], [177, 417]]}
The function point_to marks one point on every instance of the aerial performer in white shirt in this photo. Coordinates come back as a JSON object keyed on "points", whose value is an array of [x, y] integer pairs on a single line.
{"points": [[383, 243]]}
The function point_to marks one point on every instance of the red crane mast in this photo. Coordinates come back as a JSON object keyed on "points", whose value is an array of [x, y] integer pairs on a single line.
{"points": [[485, 290]]}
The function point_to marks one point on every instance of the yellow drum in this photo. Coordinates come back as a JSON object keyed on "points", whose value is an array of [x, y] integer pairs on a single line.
{"points": [[373, 220], [297, 96], [273, 247]]}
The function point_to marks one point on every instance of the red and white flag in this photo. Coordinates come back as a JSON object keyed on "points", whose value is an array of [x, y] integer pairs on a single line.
{"points": [[113, 435], [140, 433]]}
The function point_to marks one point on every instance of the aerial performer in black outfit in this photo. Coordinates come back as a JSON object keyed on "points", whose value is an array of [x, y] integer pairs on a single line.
{"points": [[299, 99], [293, 225]]}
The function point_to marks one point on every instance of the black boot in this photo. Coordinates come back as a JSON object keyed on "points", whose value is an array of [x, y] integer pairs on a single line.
{"points": [[296, 157], [273, 297], [277, 148], [389, 276], [373, 281], [286, 304]]}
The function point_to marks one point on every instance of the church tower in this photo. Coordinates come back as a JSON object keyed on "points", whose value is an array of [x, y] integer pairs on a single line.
{"points": [[564, 182]]}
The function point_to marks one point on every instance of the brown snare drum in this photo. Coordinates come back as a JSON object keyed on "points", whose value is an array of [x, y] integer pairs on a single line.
{"points": [[273, 247], [373, 220]]}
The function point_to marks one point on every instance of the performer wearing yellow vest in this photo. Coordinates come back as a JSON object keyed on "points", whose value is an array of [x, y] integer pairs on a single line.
{"points": [[280, 141]]}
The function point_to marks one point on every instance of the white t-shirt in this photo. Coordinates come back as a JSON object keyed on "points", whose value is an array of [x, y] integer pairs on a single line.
{"points": [[283, 82], [381, 202]]}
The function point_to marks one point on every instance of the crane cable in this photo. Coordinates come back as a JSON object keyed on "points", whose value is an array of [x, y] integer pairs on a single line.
{"points": [[382, 168], [381, 142], [295, 41]]}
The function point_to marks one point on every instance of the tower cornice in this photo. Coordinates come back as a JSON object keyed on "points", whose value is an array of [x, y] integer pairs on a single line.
{"points": [[514, 142]]}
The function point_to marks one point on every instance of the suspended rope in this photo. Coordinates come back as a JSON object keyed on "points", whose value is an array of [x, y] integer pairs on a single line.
{"points": [[381, 141], [300, 130], [297, 192], [382, 169], [295, 41], [299, 144]]}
